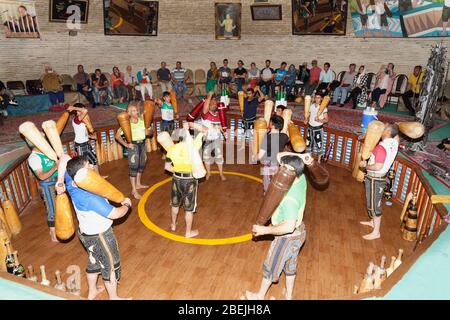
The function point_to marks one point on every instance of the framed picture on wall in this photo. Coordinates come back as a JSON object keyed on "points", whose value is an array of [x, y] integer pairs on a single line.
{"points": [[319, 17], [61, 10], [228, 21], [19, 19], [266, 12], [131, 17]]}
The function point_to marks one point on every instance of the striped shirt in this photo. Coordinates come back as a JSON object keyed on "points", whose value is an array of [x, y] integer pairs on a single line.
{"points": [[178, 74]]}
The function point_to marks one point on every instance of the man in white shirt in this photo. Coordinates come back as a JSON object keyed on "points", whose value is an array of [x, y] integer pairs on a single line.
{"points": [[325, 80], [345, 86], [130, 82]]}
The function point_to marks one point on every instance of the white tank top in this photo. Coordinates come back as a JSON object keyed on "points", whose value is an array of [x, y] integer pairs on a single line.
{"points": [[81, 134], [391, 147]]}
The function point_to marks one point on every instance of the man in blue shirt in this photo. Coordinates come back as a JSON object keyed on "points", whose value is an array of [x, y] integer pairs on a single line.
{"points": [[95, 218], [280, 75]]}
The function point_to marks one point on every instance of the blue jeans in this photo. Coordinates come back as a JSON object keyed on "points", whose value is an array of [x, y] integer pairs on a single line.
{"points": [[48, 193], [179, 84], [343, 91], [239, 82], [97, 95], [56, 97]]}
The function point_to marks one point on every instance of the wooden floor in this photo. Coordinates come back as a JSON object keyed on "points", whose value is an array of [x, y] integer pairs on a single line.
{"points": [[332, 260]]}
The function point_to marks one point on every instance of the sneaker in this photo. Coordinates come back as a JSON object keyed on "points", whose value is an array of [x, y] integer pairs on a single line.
{"points": [[13, 103]]}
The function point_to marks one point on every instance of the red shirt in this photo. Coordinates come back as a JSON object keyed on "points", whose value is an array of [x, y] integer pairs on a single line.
{"points": [[314, 74], [380, 154]]}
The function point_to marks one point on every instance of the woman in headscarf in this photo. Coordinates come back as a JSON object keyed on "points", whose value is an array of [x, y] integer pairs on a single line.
{"points": [[212, 78], [360, 85]]}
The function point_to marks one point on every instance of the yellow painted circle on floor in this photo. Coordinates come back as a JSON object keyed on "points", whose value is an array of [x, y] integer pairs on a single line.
{"points": [[210, 242]]}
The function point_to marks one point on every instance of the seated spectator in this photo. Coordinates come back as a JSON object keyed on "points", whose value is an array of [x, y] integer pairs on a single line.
{"points": [[145, 83], [360, 86], [344, 86], [101, 88], [179, 79], [130, 82], [279, 76], [164, 78], [291, 77], [267, 79], [52, 84], [314, 76], [118, 85], [239, 75], [6, 98], [302, 78], [84, 84], [254, 75], [383, 85], [325, 80], [225, 73], [415, 81], [212, 77]]}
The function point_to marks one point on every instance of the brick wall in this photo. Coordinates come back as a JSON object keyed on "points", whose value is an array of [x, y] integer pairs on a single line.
{"points": [[186, 33]]}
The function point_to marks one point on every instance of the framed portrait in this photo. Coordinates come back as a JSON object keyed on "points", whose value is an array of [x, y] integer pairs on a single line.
{"points": [[131, 17], [266, 12], [319, 17], [19, 19], [61, 10], [228, 21]]}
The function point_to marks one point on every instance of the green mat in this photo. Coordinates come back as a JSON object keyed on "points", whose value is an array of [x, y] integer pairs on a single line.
{"points": [[428, 277], [15, 291], [440, 133], [392, 108]]}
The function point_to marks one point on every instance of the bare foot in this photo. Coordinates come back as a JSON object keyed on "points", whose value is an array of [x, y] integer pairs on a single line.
{"points": [[371, 236], [94, 294], [207, 176], [223, 177], [284, 291], [136, 195], [192, 234], [53, 235], [367, 223], [252, 296], [173, 226], [141, 186]]}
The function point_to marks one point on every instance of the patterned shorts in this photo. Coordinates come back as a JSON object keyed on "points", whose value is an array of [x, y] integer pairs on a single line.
{"points": [[184, 193], [212, 152], [314, 138], [85, 149], [374, 195], [282, 255], [103, 254]]}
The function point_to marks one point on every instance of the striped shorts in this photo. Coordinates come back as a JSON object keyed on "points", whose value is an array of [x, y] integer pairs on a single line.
{"points": [[85, 149], [282, 255]]}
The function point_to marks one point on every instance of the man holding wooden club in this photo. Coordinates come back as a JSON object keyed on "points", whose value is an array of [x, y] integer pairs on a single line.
{"points": [[381, 159], [95, 218], [46, 171], [287, 227]]}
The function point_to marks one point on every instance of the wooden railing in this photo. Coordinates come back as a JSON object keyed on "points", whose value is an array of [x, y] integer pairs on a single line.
{"points": [[15, 184]]}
